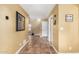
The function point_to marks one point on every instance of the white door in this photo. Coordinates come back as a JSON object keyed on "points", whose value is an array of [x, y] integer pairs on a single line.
{"points": [[50, 31], [44, 29]]}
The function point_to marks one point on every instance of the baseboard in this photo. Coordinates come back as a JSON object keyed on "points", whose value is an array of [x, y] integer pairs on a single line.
{"points": [[17, 52], [54, 48]]}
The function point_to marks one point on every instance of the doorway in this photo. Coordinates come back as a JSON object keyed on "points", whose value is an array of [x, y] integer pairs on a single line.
{"points": [[50, 30], [44, 29]]}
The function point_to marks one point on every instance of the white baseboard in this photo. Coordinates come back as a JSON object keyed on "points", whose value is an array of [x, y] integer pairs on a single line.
{"points": [[54, 48], [17, 52]]}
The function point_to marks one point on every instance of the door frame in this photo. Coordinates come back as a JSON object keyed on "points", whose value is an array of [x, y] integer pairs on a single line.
{"points": [[50, 30]]}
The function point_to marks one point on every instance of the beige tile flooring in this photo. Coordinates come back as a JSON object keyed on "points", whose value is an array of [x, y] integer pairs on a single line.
{"points": [[38, 46]]}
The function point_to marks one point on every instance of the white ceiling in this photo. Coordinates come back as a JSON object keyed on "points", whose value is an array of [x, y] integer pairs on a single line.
{"points": [[36, 11]]}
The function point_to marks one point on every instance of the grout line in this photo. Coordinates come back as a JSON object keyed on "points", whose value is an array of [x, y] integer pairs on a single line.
{"points": [[49, 47], [48, 44]]}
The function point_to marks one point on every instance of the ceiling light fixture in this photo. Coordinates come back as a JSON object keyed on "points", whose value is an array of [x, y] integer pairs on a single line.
{"points": [[38, 19]]}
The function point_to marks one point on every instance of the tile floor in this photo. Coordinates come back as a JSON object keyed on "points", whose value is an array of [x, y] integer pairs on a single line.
{"points": [[38, 45]]}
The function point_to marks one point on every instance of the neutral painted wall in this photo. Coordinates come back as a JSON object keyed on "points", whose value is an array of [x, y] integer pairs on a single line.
{"points": [[66, 34], [36, 27], [10, 40]]}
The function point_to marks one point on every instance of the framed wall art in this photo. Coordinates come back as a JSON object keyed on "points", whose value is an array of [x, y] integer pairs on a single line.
{"points": [[68, 17], [20, 22]]}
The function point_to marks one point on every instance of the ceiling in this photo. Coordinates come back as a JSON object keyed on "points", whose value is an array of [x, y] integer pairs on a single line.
{"points": [[36, 11]]}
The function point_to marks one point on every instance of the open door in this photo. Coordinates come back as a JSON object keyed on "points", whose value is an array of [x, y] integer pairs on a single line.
{"points": [[50, 31], [44, 29]]}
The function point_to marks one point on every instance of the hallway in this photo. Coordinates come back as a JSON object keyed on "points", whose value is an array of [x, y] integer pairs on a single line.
{"points": [[38, 45], [53, 25]]}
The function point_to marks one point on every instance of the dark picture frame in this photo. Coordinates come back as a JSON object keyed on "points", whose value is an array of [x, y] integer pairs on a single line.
{"points": [[69, 17], [20, 22]]}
